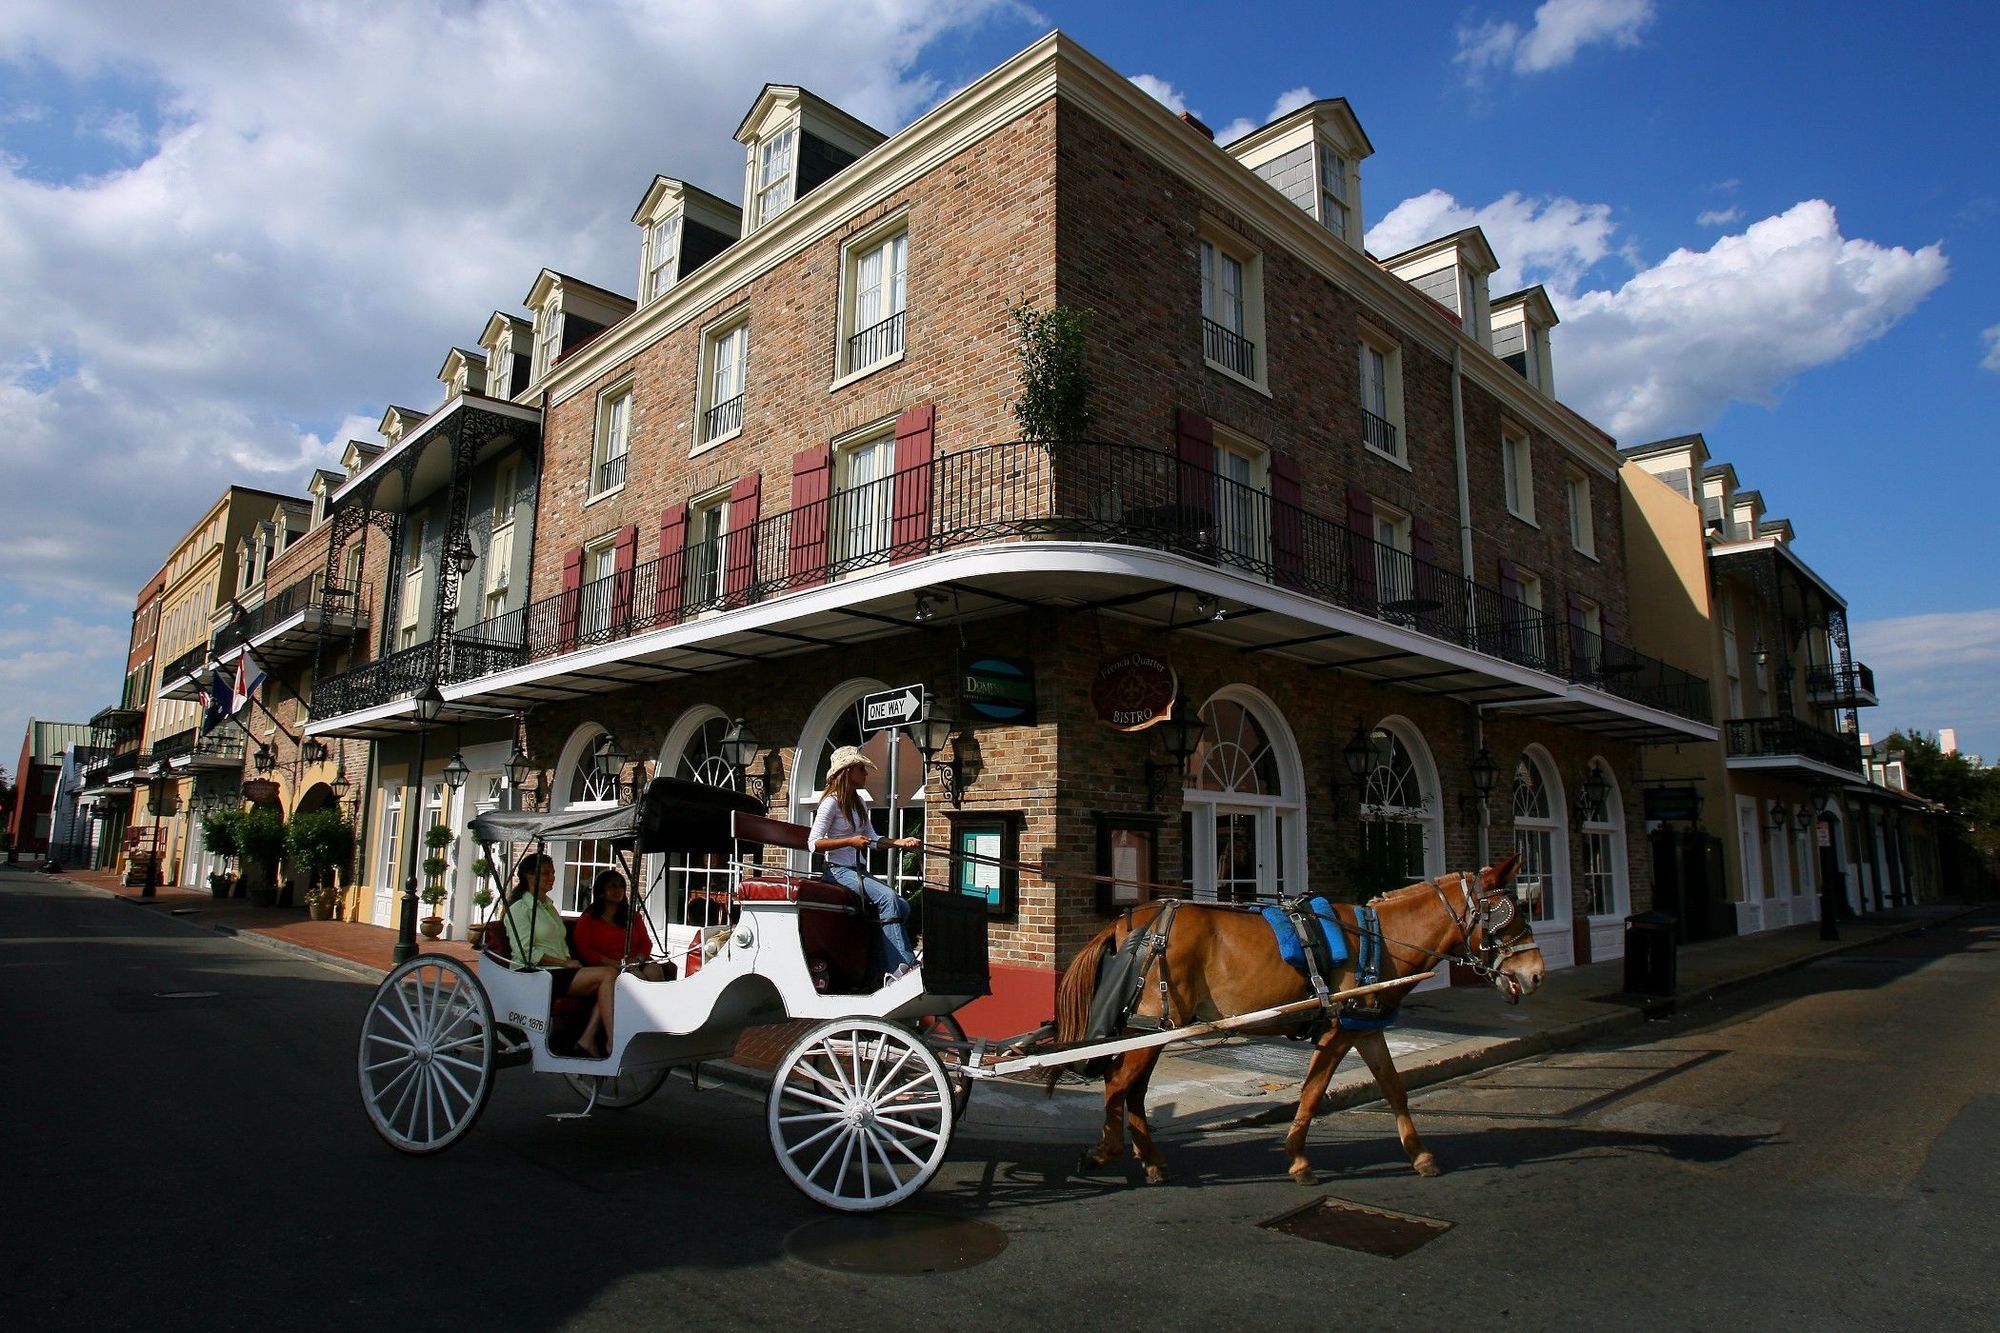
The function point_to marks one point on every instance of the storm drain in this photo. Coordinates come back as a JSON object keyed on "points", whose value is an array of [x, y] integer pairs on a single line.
{"points": [[1359, 1227], [186, 994], [905, 1244]]}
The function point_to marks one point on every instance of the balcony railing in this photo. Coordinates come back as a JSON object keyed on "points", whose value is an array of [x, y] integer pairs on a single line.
{"points": [[1028, 492], [310, 593], [1226, 347], [877, 342], [1788, 737], [722, 418], [1377, 433], [173, 746], [611, 473], [186, 664], [385, 680], [1841, 684]]}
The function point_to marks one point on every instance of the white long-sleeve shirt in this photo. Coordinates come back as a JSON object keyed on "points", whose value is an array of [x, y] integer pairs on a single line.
{"points": [[830, 821]]}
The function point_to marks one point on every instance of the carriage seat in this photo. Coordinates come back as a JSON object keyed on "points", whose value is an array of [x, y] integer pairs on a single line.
{"points": [[568, 1015], [835, 932]]}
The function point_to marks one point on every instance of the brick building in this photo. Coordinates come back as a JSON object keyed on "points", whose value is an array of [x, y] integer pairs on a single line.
{"points": [[1327, 506], [113, 773]]}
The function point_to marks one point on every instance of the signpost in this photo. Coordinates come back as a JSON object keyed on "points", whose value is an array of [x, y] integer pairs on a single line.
{"points": [[886, 710]]}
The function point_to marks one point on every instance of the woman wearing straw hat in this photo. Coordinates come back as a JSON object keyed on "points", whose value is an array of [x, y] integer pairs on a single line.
{"points": [[841, 832]]}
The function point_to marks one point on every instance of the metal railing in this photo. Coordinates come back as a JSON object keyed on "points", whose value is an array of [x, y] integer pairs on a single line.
{"points": [[1226, 347], [878, 342], [1786, 737], [1091, 492], [1841, 682], [722, 418], [310, 593], [611, 473], [1377, 433], [186, 664], [398, 676], [173, 745]]}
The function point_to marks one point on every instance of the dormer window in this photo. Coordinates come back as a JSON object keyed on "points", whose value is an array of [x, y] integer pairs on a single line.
{"points": [[663, 246], [1333, 189], [775, 163], [548, 337], [1311, 156]]}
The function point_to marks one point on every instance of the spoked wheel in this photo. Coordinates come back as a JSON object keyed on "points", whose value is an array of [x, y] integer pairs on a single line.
{"points": [[947, 1040], [860, 1114], [427, 1054], [621, 1091]]}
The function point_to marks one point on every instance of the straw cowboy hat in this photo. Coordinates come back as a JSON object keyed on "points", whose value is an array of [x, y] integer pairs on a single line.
{"points": [[847, 756]]}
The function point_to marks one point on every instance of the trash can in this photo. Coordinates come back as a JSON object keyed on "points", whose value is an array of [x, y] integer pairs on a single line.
{"points": [[1651, 957]]}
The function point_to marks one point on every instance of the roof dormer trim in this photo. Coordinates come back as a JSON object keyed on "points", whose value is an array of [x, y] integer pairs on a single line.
{"points": [[1327, 113], [777, 102]]}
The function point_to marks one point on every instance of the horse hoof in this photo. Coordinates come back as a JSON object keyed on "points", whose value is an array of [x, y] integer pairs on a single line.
{"points": [[1305, 1175], [1156, 1175], [1427, 1166], [1087, 1162]]}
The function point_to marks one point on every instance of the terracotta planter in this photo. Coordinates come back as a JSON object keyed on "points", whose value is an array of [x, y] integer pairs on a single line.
{"points": [[431, 926], [321, 911]]}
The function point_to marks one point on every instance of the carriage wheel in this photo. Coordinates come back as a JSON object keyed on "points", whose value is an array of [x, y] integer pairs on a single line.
{"points": [[860, 1114], [620, 1091], [947, 1039], [427, 1054]]}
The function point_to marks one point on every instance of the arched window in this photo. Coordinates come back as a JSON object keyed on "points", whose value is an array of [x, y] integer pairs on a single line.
{"points": [[1402, 831], [1539, 836], [697, 886], [1604, 877], [896, 780], [1241, 815], [580, 784]]}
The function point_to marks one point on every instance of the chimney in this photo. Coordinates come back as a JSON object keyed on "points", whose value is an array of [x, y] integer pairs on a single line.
{"points": [[1199, 128]]}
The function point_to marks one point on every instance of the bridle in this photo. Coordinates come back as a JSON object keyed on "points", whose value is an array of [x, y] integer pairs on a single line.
{"points": [[1503, 933]]}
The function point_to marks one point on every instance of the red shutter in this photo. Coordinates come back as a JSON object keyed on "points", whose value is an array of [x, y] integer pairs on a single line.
{"points": [[1194, 445], [1510, 586], [812, 480], [671, 571], [910, 493], [739, 569], [1288, 555], [568, 603], [1361, 547], [625, 559]]}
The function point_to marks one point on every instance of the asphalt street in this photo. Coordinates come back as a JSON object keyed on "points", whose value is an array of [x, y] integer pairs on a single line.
{"points": [[187, 1150]]}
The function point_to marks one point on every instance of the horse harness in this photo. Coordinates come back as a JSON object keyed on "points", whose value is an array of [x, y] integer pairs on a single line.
{"points": [[1493, 917], [1369, 1013]]}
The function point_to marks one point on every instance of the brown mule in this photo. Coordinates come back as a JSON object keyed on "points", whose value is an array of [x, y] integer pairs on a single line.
{"points": [[1222, 961]]}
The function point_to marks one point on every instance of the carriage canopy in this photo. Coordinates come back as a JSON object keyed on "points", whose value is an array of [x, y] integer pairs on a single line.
{"points": [[674, 815]]}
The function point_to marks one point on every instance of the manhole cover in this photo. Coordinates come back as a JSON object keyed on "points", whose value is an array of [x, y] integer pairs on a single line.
{"points": [[186, 994], [1355, 1226], [897, 1243]]}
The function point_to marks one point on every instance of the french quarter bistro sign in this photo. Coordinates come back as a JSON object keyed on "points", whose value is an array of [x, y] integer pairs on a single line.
{"points": [[1133, 692]]}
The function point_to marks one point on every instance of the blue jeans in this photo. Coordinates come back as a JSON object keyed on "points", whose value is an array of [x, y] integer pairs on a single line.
{"points": [[891, 911]]}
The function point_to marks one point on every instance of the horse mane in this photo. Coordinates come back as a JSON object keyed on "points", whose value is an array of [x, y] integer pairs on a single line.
{"points": [[1397, 895]]}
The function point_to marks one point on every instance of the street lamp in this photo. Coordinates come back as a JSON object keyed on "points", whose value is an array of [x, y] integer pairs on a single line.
{"points": [[1484, 774], [1182, 733], [161, 791], [464, 557], [313, 750], [1802, 818], [932, 735], [267, 758], [456, 772], [340, 783], [519, 769], [1358, 757], [429, 703], [1590, 802]]}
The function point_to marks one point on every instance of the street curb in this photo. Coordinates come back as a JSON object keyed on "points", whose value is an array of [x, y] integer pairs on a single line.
{"points": [[360, 971]]}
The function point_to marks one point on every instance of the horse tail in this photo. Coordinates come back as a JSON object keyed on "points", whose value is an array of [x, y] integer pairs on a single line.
{"points": [[1078, 987]]}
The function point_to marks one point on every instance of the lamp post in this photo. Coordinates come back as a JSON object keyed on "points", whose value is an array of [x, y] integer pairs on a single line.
{"points": [[1359, 756], [739, 745], [519, 769], [1485, 773], [1182, 732], [429, 704], [160, 804], [933, 733]]}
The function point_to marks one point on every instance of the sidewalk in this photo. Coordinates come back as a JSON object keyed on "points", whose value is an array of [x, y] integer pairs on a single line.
{"points": [[1215, 1084]]}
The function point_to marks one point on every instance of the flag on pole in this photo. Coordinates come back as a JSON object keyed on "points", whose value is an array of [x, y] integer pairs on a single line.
{"points": [[217, 704], [248, 677]]}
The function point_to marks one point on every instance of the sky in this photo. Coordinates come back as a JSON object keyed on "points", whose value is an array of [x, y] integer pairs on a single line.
{"points": [[229, 241]]}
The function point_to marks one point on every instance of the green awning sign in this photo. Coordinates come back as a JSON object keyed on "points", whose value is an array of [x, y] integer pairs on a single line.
{"points": [[999, 689]]}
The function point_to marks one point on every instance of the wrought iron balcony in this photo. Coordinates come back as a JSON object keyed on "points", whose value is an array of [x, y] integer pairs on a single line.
{"points": [[611, 473], [1377, 433], [1843, 687], [1228, 348], [189, 662], [1790, 738], [877, 342], [723, 418], [372, 684], [1072, 492], [173, 746], [310, 596]]}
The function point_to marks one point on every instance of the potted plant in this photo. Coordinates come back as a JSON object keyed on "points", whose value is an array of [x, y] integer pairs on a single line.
{"points": [[260, 836], [219, 835], [318, 843], [433, 893], [482, 897]]}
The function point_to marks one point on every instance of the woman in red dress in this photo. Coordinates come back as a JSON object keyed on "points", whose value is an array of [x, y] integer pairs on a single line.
{"points": [[601, 932]]}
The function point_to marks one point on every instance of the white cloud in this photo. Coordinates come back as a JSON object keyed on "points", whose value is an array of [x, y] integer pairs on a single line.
{"points": [[1560, 30], [1718, 217], [1668, 348], [1991, 337], [1164, 93], [1934, 671], [1288, 101], [329, 196]]}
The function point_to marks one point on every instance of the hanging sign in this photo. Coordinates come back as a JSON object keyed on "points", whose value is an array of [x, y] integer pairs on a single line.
{"points": [[999, 689], [1134, 692], [1673, 803], [885, 709], [260, 791]]}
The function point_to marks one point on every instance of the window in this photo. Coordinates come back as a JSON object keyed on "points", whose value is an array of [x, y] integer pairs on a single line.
{"points": [[1242, 498], [1231, 305], [774, 173], [722, 374], [614, 437], [500, 370], [708, 524], [1332, 190], [1581, 536], [600, 562], [499, 557], [548, 337], [878, 291], [1382, 396], [663, 247], [863, 477], [1242, 810], [1517, 471], [1537, 828], [1604, 851], [1395, 570], [388, 840], [413, 582]]}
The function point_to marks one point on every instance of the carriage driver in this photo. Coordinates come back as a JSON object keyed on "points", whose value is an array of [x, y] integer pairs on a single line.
{"points": [[841, 832]]}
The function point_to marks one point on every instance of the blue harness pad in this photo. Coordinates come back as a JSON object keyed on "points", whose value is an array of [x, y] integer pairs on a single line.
{"points": [[1292, 949], [1367, 971]]}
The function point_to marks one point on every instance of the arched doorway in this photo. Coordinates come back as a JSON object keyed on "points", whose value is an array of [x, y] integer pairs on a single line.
{"points": [[1607, 887], [1402, 821], [1541, 836], [580, 784], [895, 785], [1241, 819], [694, 889]]}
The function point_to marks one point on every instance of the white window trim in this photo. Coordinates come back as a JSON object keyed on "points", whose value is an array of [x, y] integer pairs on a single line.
{"points": [[714, 501], [705, 380], [842, 450], [1582, 534], [599, 440], [1391, 352], [758, 217], [547, 339], [1524, 472], [650, 263], [1226, 241], [850, 256], [1258, 454]]}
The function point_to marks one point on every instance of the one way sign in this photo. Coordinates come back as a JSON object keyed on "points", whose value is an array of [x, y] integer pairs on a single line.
{"points": [[891, 708]]}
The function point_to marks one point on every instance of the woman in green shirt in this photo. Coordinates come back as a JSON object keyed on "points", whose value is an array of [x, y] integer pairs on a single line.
{"points": [[536, 939]]}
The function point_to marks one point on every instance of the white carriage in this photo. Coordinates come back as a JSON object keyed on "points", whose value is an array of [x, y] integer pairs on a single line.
{"points": [[861, 1108]]}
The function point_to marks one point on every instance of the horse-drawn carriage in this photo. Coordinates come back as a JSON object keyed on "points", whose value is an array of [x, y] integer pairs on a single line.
{"points": [[862, 1107]]}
